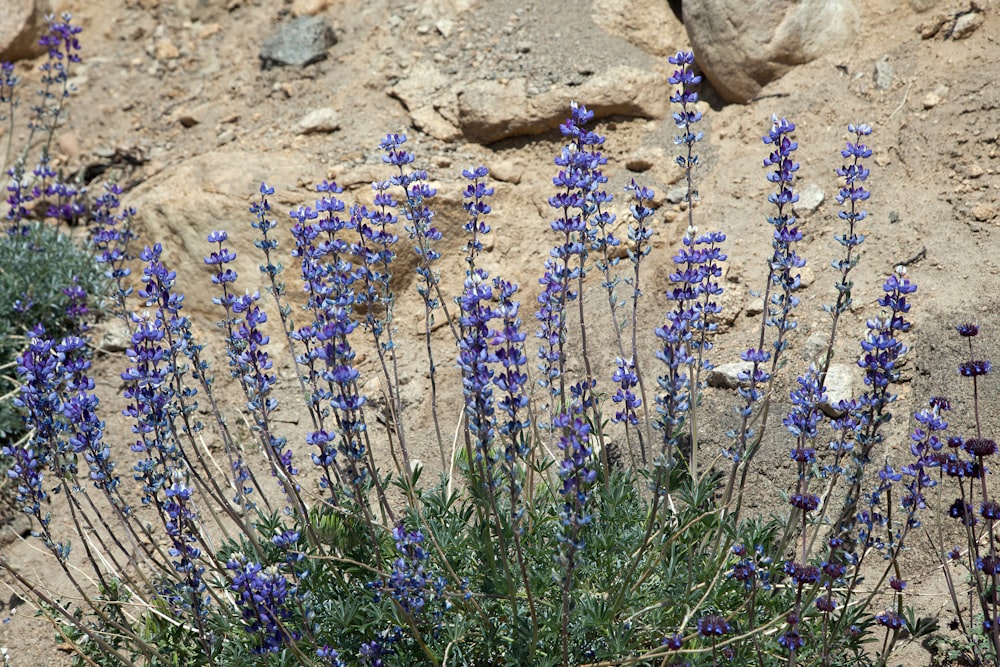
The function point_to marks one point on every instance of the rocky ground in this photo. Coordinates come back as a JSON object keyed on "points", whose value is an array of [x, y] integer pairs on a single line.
{"points": [[173, 101]]}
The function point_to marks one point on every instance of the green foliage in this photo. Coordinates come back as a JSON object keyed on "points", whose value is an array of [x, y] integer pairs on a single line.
{"points": [[34, 270]]}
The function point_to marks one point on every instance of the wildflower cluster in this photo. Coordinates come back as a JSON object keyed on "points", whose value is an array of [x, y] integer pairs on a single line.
{"points": [[265, 599], [248, 556]]}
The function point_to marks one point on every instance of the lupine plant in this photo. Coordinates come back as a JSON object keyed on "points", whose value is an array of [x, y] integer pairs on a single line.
{"points": [[554, 536], [46, 278]]}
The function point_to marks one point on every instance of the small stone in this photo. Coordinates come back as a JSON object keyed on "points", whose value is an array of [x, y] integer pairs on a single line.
{"points": [[983, 212], [523, 47], [726, 376], [934, 98], [318, 121], [883, 73], [226, 136], [69, 144], [839, 383], [166, 50], [814, 349], [806, 276], [445, 27], [677, 195], [921, 6], [966, 24], [645, 159], [975, 171], [309, 7], [810, 198], [933, 27], [112, 335], [894, 217], [302, 42], [187, 119], [209, 30], [508, 171]]}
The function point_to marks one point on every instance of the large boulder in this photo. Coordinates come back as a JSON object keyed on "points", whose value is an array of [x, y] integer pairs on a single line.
{"points": [[741, 45], [22, 23]]}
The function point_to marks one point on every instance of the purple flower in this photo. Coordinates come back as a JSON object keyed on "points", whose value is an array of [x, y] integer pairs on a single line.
{"points": [[578, 475], [475, 358], [63, 49], [410, 584], [182, 527], [963, 511], [507, 346], [980, 447], [807, 502], [802, 574], [974, 368], [891, 620], [826, 603], [688, 115], [881, 351], [785, 261], [266, 601], [110, 235], [684, 336], [791, 640], [419, 216], [476, 208], [988, 565], [713, 626], [552, 331], [805, 415]]}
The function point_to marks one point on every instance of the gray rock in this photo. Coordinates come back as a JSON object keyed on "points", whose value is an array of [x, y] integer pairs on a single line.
{"points": [[742, 45], [810, 198], [302, 42], [677, 195], [445, 27], [966, 24], [111, 335], [883, 73], [840, 382], [814, 349], [726, 376], [22, 22], [319, 121]]}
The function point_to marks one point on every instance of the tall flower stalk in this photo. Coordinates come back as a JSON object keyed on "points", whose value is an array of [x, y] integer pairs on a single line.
{"points": [[779, 299]]}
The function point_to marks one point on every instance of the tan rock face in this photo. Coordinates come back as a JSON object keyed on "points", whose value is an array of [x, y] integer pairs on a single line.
{"points": [[22, 23], [650, 26], [489, 111], [741, 46]]}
